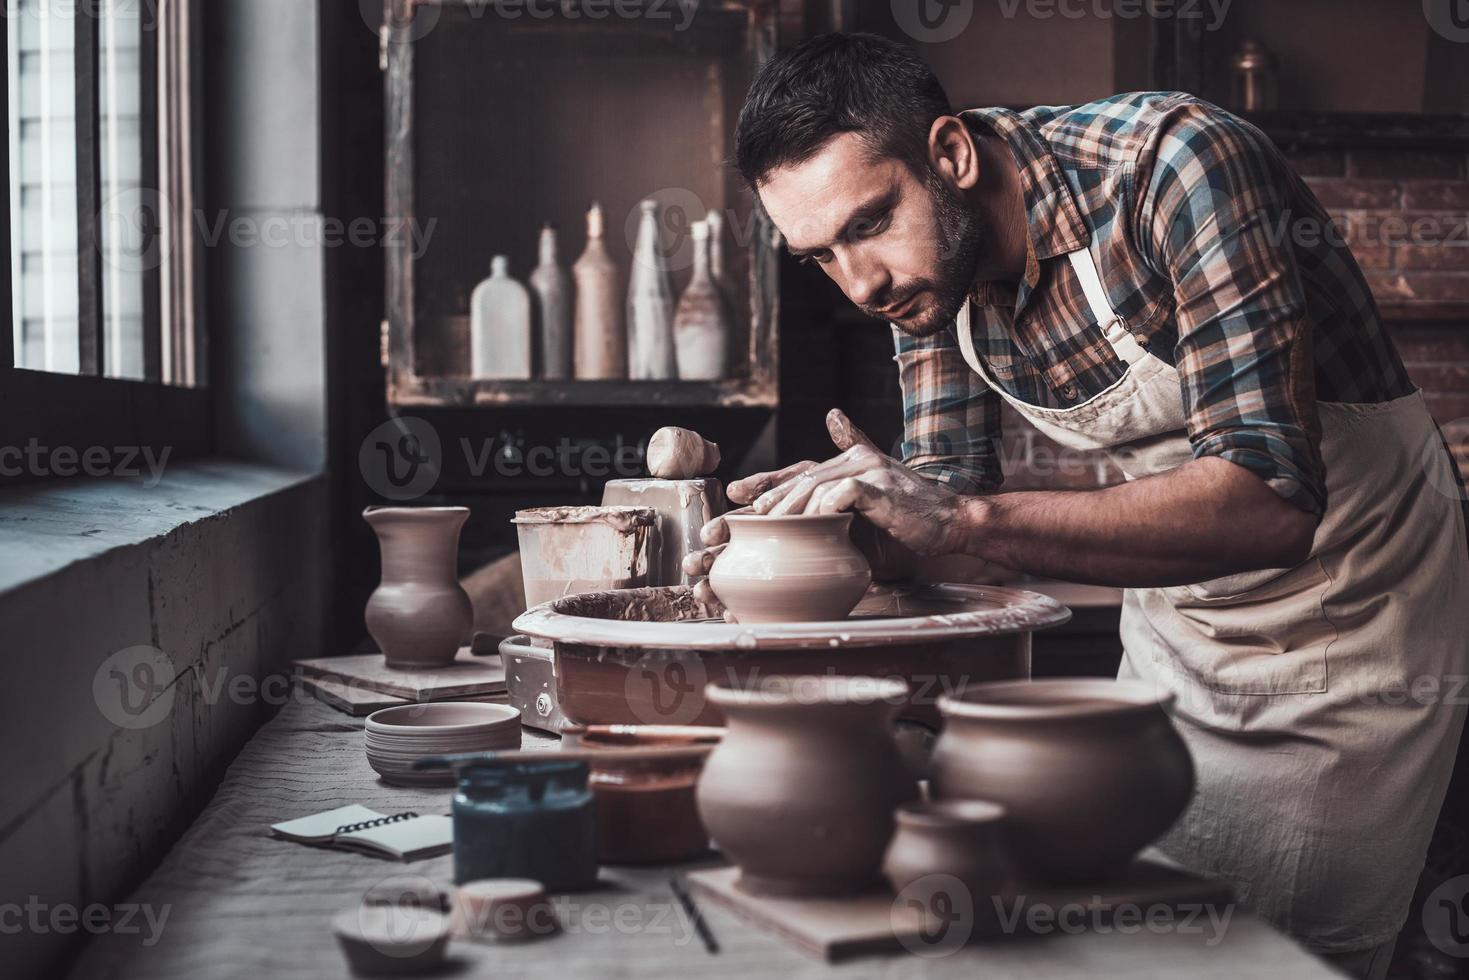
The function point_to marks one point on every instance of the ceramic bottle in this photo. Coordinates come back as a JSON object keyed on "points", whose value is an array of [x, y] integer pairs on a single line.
{"points": [[701, 326], [717, 269], [419, 614], [552, 287], [600, 343], [801, 791], [650, 349], [1089, 771], [792, 568], [499, 326]]}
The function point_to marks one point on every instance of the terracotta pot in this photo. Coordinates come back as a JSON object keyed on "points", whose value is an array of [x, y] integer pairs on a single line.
{"points": [[948, 854], [419, 615], [1090, 771], [800, 793], [797, 568]]}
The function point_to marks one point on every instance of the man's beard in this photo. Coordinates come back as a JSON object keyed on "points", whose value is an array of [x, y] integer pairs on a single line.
{"points": [[959, 234]]}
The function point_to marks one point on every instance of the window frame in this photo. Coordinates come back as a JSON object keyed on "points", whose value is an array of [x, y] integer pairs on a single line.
{"points": [[85, 410]]}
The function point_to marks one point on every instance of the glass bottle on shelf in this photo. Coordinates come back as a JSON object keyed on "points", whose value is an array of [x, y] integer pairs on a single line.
{"points": [[650, 354], [717, 270], [701, 328], [551, 285], [601, 337], [499, 326]]}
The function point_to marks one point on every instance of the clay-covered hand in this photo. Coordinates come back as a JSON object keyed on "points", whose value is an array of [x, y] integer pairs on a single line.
{"points": [[919, 513]]}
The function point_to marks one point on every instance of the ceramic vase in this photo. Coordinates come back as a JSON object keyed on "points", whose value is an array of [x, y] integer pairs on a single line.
{"points": [[650, 349], [801, 791], [499, 326], [553, 293], [795, 568], [701, 326], [419, 614], [948, 857], [1089, 771], [600, 344]]}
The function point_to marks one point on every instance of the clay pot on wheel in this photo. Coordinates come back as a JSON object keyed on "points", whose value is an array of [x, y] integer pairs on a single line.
{"points": [[419, 615], [792, 568], [801, 792], [1089, 771]]}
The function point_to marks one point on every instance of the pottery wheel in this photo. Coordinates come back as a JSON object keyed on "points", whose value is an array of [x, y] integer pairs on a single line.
{"points": [[672, 618]]}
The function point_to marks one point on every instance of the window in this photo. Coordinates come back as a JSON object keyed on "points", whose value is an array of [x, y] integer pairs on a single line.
{"points": [[102, 257], [100, 343]]}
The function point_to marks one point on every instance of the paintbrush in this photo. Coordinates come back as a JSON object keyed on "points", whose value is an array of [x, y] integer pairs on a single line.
{"points": [[695, 915]]}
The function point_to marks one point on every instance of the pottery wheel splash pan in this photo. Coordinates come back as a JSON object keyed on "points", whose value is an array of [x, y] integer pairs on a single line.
{"points": [[643, 656]]}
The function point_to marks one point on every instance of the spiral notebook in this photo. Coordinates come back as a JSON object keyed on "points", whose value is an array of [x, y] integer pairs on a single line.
{"points": [[402, 836]]}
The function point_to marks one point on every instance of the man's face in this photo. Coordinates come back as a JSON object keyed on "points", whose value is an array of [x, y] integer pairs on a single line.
{"points": [[902, 248]]}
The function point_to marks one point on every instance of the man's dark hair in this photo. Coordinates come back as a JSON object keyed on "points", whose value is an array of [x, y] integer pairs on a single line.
{"points": [[838, 83]]}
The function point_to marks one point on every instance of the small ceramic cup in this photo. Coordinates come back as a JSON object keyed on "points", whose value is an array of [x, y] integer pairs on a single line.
{"points": [[947, 859]]}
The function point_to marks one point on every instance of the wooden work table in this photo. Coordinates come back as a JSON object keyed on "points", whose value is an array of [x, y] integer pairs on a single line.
{"points": [[240, 903]]}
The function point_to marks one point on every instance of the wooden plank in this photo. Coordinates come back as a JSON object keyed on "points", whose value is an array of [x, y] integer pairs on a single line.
{"points": [[835, 929], [358, 701], [91, 321], [469, 675]]}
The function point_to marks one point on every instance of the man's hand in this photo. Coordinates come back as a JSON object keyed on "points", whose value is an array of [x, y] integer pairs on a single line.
{"points": [[899, 512]]}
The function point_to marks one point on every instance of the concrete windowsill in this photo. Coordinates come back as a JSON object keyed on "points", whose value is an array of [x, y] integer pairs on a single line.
{"points": [[47, 526]]}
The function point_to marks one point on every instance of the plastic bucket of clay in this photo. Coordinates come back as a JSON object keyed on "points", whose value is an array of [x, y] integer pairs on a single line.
{"points": [[569, 550]]}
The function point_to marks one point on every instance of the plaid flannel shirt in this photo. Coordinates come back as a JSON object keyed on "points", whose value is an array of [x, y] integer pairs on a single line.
{"points": [[1215, 254]]}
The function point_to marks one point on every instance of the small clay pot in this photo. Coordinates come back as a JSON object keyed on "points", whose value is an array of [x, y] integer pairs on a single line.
{"points": [[419, 615], [948, 854], [792, 568], [1089, 771], [801, 791]]}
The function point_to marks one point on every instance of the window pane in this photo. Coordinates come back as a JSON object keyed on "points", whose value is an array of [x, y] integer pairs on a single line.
{"points": [[128, 218], [42, 70]]}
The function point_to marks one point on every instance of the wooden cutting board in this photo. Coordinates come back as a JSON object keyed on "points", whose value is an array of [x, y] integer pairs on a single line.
{"points": [[359, 701], [840, 928], [469, 675]]}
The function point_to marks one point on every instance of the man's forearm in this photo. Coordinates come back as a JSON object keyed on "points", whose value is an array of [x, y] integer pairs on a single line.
{"points": [[1205, 519]]}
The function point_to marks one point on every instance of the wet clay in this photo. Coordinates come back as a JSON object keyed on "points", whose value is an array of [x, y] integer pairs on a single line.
{"points": [[800, 793], [569, 550], [794, 568], [1089, 771], [419, 614], [683, 506], [681, 454]]}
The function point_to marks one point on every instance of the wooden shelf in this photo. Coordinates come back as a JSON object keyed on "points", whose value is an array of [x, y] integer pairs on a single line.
{"points": [[454, 392]]}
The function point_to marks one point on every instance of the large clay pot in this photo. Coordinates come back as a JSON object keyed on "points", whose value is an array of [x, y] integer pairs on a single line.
{"points": [[801, 792], [419, 614], [1090, 771], [789, 569]]}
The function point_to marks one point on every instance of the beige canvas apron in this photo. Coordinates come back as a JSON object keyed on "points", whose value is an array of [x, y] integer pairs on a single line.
{"points": [[1322, 703]]}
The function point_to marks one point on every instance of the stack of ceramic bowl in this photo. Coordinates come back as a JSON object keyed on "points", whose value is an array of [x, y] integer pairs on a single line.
{"points": [[398, 737]]}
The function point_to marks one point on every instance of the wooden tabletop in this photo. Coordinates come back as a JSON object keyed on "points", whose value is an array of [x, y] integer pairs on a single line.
{"points": [[241, 903]]}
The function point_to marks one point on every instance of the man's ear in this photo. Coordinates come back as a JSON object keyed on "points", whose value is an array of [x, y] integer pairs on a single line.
{"points": [[952, 152]]}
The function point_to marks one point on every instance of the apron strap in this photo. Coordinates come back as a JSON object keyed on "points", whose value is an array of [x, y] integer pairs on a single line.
{"points": [[1114, 328]]}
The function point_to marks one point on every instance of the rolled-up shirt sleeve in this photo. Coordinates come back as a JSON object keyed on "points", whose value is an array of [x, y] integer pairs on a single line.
{"points": [[1212, 217], [951, 418]]}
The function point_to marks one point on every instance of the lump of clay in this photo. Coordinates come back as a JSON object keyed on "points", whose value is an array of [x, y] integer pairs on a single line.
{"points": [[681, 454]]}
